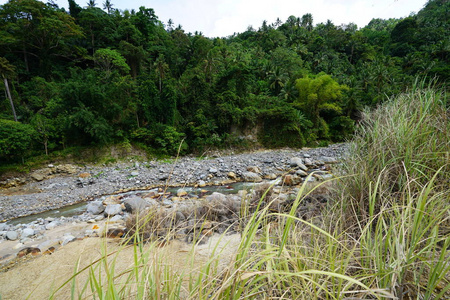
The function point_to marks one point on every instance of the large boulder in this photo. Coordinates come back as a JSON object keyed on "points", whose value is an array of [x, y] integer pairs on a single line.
{"points": [[95, 207], [113, 209], [135, 204], [296, 162]]}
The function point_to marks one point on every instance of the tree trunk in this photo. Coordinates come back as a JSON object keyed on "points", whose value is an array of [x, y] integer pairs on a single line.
{"points": [[10, 99]]}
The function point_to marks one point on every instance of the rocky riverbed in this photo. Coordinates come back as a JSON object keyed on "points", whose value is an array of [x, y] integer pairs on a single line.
{"points": [[114, 192]]}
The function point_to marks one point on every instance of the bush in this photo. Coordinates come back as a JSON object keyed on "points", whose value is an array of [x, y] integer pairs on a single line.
{"points": [[15, 139]]}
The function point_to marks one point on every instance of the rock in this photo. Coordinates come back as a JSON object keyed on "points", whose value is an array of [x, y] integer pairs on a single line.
{"points": [[151, 194], [308, 162], [251, 177], [17, 246], [67, 169], [99, 218], [115, 219], [329, 160], [254, 169], [134, 173], [113, 209], [291, 180], [3, 226], [48, 244], [84, 175], [232, 175], [181, 193], [51, 225], [29, 250], [163, 177], [306, 155], [271, 176], [67, 238], [38, 176], [115, 233], [135, 204], [295, 162], [213, 170], [12, 235], [114, 199], [27, 232], [301, 173], [95, 207], [201, 183]]}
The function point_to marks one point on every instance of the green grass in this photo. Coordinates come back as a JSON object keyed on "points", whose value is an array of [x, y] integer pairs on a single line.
{"points": [[384, 235]]}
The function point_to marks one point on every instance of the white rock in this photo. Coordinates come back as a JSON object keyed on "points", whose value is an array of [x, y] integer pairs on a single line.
{"points": [[27, 232], [113, 209], [12, 235], [67, 238]]}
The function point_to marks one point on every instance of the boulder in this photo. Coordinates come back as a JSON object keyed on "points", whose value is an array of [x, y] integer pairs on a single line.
{"points": [[181, 193], [251, 177], [67, 169], [135, 204], [329, 160], [295, 162], [27, 232], [291, 180], [67, 238], [201, 183], [301, 173], [95, 207], [12, 235], [113, 209]]}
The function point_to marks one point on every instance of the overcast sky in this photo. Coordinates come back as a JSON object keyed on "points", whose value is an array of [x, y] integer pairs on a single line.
{"points": [[224, 17]]}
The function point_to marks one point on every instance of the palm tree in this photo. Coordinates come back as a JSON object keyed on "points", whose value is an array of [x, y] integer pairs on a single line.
{"points": [[7, 70], [108, 6], [91, 3]]}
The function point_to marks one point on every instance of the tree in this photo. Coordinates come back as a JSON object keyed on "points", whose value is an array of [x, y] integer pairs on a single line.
{"points": [[15, 139], [109, 60], [108, 6], [7, 70], [316, 94]]}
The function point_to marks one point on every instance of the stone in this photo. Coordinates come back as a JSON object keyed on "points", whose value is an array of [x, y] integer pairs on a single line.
{"points": [[301, 173], [29, 250], [251, 177], [135, 204], [232, 175], [308, 162], [271, 176], [99, 218], [84, 175], [151, 194], [115, 219], [12, 235], [295, 162], [95, 207], [291, 180], [115, 233], [51, 225], [254, 169], [213, 170], [67, 238], [329, 160], [201, 183], [114, 199], [67, 168], [306, 155], [134, 173], [112, 210], [181, 193], [37, 176], [27, 232]]}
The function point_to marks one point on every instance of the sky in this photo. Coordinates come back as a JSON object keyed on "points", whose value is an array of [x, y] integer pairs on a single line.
{"points": [[221, 18]]}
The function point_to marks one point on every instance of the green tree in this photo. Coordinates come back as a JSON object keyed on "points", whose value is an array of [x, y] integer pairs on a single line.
{"points": [[15, 139], [109, 60]]}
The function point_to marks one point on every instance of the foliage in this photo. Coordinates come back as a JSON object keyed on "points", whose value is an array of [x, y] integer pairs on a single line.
{"points": [[15, 139], [92, 76]]}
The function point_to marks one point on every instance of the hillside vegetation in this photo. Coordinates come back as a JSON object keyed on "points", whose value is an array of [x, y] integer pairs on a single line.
{"points": [[87, 76], [383, 234]]}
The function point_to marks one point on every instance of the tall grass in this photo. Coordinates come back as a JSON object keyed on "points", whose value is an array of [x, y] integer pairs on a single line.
{"points": [[384, 235]]}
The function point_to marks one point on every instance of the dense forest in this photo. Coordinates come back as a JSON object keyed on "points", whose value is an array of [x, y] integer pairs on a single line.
{"points": [[97, 76]]}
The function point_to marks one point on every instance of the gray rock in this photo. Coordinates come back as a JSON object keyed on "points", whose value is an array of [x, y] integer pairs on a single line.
{"points": [[213, 170], [116, 218], [99, 218], [113, 209], [3, 226], [135, 204], [27, 232], [329, 160], [12, 235], [295, 162], [301, 173], [51, 225], [67, 238], [251, 177], [95, 207], [134, 173], [306, 155]]}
